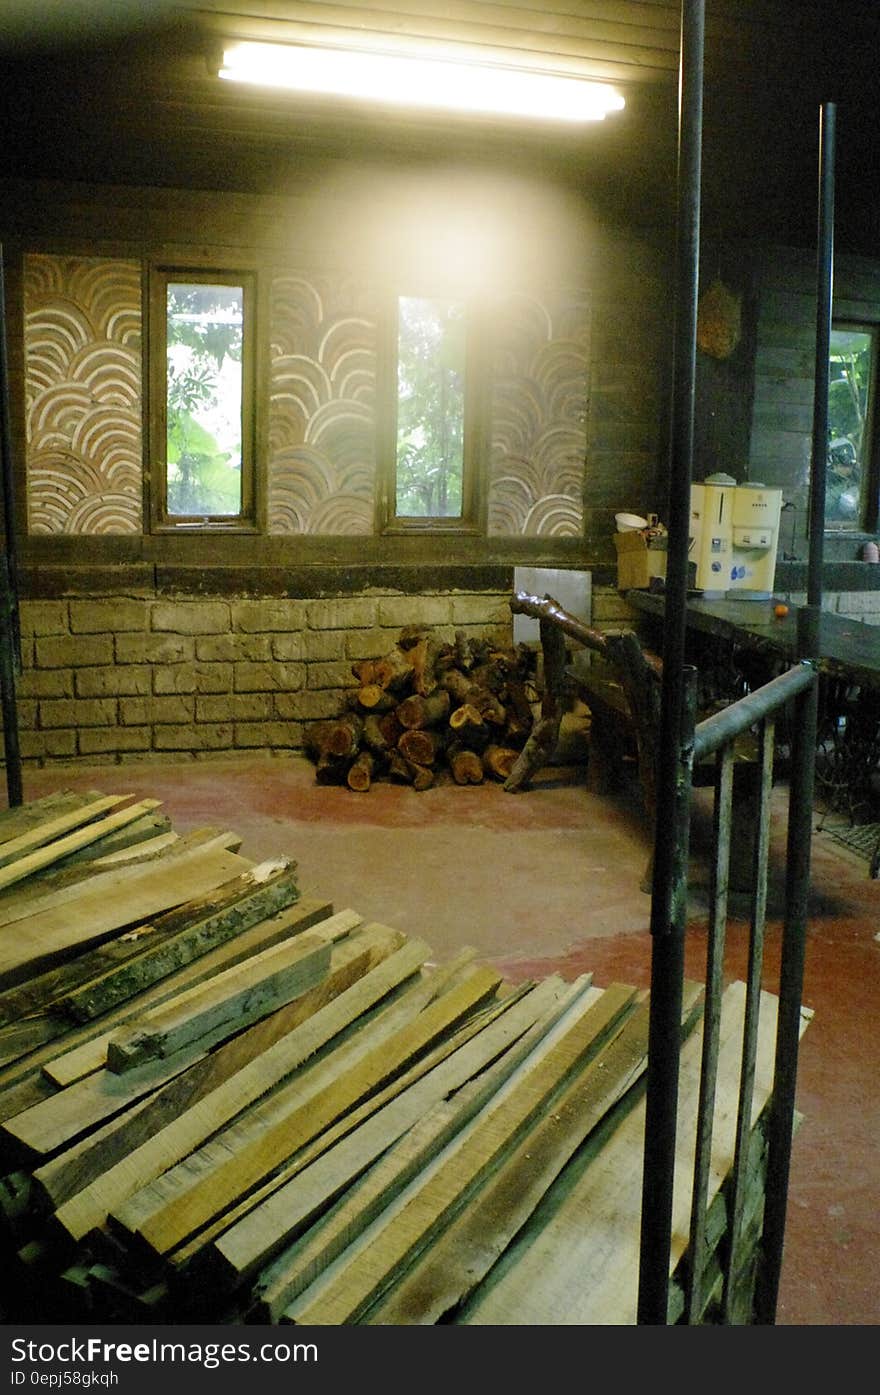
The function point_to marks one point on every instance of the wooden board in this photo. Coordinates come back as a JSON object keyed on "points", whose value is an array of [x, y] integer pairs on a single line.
{"points": [[442, 1190], [204, 1190], [578, 1263], [229, 1000], [13, 849], [78, 1167], [309, 913], [458, 1261], [43, 939], [185, 933], [424, 1119], [52, 852], [90, 1207]]}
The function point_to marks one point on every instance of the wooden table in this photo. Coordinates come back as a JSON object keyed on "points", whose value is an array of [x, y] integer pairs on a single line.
{"points": [[848, 649], [849, 667]]}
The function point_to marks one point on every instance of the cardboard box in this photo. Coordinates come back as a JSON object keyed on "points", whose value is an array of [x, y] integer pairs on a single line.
{"points": [[638, 559]]}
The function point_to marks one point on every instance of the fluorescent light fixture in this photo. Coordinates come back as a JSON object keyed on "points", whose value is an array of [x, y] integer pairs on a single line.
{"points": [[420, 81]]}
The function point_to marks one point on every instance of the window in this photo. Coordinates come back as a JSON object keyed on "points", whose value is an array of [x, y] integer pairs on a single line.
{"points": [[431, 478], [202, 424], [851, 484]]}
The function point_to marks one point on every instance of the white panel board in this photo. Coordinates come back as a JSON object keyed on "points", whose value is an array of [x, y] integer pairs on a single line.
{"points": [[572, 589]]}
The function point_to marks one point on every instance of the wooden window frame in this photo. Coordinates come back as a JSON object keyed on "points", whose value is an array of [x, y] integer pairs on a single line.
{"points": [[868, 520], [160, 275], [475, 460]]}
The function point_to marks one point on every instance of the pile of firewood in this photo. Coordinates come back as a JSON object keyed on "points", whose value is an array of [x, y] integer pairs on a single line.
{"points": [[430, 708]]}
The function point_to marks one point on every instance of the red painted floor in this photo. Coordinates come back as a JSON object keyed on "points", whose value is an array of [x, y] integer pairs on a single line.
{"points": [[548, 880]]}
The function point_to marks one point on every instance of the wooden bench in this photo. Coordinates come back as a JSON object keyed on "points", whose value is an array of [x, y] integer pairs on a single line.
{"points": [[619, 680]]}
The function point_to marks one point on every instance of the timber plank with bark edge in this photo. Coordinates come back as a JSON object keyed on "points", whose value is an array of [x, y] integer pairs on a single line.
{"points": [[89, 1207], [286, 1130], [462, 1256], [439, 1193], [227, 1002], [309, 913], [578, 1264], [58, 1121], [36, 1077], [53, 852], [34, 999], [76, 1168], [56, 827], [491, 1055], [185, 933], [42, 940]]}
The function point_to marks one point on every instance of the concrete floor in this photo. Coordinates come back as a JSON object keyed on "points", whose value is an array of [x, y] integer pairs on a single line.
{"points": [[549, 880]]}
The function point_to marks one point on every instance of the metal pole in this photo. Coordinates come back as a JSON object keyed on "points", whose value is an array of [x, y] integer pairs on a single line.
{"points": [[800, 816], [669, 889]]}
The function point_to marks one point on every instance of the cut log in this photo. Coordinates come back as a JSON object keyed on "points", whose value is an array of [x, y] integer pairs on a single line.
{"points": [[375, 737], [418, 711], [337, 737], [467, 724], [406, 772], [544, 736], [372, 697], [499, 761], [465, 764], [419, 747], [360, 772], [330, 770]]}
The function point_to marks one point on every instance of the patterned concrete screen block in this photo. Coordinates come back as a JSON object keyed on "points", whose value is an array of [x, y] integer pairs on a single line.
{"points": [[322, 388], [83, 389], [541, 370], [573, 591]]}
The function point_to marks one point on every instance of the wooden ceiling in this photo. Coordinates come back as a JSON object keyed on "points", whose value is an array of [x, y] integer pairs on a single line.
{"points": [[121, 91]]}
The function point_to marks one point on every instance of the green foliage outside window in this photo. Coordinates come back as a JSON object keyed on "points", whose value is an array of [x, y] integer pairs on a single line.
{"points": [[430, 408], [203, 399], [849, 382]]}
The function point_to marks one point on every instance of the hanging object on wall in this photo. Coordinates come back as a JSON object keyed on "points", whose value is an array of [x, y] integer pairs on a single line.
{"points": [[719, 320]]}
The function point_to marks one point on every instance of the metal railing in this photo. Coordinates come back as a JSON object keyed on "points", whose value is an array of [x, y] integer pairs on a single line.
{"points": [[717, 735]]}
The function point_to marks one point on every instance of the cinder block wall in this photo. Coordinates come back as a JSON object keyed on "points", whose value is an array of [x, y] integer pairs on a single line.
{"points": [[142, 677]]}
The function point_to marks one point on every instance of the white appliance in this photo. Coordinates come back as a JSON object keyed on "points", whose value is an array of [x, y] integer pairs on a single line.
{"points": [[711, 534], [756, 514]]}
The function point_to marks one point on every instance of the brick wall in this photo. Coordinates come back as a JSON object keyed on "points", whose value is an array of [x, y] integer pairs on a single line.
{"points": [[138, 677]]}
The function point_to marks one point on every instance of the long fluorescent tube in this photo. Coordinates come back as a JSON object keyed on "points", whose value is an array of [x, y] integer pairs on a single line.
{"points": [[416, 81]]}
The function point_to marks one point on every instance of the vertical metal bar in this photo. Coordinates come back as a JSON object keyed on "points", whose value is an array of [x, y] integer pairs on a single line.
{"points": [[750, 1023], [801, 787], [10, 630], [824, 299], [669, 887], [721, 828]]}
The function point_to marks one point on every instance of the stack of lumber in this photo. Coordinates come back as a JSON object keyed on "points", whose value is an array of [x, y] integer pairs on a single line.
{"points": [[430, 709], [222, 1100]]}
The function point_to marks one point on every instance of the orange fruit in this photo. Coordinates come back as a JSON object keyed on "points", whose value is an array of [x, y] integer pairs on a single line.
{"points": [[780, 611]]}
